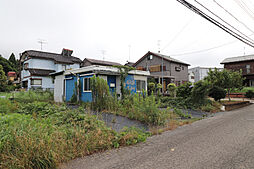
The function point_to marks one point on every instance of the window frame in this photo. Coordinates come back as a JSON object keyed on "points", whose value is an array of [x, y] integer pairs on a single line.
{"points": [[32, 82], [89, 89], [140, 85]]}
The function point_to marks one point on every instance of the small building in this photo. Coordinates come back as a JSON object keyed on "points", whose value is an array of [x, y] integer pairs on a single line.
{"points": [[163, 68], [244, 63], [89, 62], [199, 73], [11, 76], [37, 65], [136, 81]]}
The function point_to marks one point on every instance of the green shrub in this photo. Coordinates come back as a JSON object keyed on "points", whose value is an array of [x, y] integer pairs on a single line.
{"points": [[249, 94], [172, 89], [217, 93], [184, 90], [31, 96], [6, 106], [199, 93]]}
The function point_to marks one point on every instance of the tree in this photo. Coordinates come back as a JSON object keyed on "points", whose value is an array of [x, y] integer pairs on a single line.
{"points": [[184, 90], [7, 65], [12, 59], [199, 92], [225, 79], [172, 89], [3, 79], [217, 93]]}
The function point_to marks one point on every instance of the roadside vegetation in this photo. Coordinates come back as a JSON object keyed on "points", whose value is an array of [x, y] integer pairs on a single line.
{"points": [[34, 133]]}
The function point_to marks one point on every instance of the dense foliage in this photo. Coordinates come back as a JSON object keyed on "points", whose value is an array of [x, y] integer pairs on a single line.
{"points": [[184, 90], [217, 93], [42, 135], [249, 94], [3, 79], [226, 79]]}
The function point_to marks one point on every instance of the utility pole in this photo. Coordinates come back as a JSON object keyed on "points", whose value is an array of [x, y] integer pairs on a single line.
{"points": [[41, 41], [162, 84]]}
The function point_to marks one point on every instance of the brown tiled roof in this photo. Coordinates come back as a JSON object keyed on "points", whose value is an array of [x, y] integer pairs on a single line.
{"points": [[53, 56], [101, 62], [40, 72]]}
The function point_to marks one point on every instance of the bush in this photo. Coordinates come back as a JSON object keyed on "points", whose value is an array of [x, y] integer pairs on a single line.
{"points": [[36, 95], [249, 94], [184, 90], [199, 93], [171, 89], [217, 93], [7, 107]]}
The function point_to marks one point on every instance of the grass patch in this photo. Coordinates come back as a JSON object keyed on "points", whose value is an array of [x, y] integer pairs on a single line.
{"points": [[244, 90], [42, 135]]}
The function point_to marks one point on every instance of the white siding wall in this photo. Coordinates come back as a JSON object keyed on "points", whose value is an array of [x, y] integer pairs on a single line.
{"points": [[41, 64], [59, 88]]}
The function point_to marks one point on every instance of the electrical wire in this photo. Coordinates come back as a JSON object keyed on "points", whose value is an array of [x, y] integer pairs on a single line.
{"points": [[215, 22], [178, 34], [233, 16], [249, 39], [244, 9]]}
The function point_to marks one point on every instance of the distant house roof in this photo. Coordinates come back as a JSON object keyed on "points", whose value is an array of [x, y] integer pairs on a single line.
{"points": [[161, 56], [40, 72], [101, 62], [238, 59], [11, 74], [129, 64], [60, 58]]}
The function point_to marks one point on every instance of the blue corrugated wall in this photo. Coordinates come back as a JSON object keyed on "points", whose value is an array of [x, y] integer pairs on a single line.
{"points": [[85, 96], [70, 86]]}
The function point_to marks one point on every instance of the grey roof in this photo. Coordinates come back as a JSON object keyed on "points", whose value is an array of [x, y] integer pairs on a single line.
{"points": [[162, 56], [102, 62], [169, 58], [53, 56], [238, 59]]}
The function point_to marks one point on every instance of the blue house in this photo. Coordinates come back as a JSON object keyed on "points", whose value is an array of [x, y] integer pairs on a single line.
{"points": [[136, 81]]}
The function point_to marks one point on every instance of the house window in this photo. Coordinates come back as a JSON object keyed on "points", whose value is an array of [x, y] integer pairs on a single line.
{"points": [[150, 57], [86, 85], [36, 81], [155, 68], [192, 77], [26, 66], [247, 69], [182, 68], [141, 85]]}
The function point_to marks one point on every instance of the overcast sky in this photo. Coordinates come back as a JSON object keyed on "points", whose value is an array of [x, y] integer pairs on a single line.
{"points": [[122, 28]]}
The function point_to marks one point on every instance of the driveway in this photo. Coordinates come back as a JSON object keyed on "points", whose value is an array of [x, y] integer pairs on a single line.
{"points": [[223, 141]]}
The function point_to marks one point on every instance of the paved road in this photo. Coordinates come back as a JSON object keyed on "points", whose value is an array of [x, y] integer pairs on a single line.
{"points": [[224, 141]]}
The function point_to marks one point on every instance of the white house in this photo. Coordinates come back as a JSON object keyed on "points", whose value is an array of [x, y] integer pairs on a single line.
{"points": [[136, 81], [199, 73], [37, 65]]}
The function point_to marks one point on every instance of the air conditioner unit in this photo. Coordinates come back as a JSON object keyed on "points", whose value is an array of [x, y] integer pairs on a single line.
{"points": [[178, 69]]}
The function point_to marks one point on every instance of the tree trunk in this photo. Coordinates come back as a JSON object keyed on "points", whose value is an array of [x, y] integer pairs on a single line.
{"points": [[229, 95]]}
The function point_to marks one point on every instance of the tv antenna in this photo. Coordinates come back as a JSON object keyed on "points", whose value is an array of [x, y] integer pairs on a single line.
{"points": [[159, 46], [103, 54], [42, 42]]}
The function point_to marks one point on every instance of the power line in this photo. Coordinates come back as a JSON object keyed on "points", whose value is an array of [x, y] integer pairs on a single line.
{"points": [[215, 22], [179, 33], [244, 9], [248, 39], [203, 50], [233, 16]]}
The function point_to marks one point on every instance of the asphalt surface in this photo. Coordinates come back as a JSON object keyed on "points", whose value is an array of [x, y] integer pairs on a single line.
{"points": [[223, 141]]}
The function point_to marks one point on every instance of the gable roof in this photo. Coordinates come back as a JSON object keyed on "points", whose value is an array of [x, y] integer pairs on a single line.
{"points": [[101, 62], [52, 56], [168, 58], [238, 59]]}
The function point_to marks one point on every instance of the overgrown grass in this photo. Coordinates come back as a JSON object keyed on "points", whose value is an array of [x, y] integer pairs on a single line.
{"points": [[141, 108], [31, 96], [43, 135]]}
